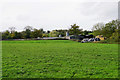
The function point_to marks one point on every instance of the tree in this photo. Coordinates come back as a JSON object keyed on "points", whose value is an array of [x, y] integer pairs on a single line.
{"points": [[28, 30], [45, 35], [74, 30], [109, 30], [105, 29], [48, 32], [85, 32], [17, 35], [12, 29], [62, 32], [0, 35], [6, 35], [97, 28], [115, 36], [37, 33], [54, 33]]}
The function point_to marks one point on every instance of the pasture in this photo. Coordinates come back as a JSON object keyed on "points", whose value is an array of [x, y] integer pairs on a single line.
{"points": [[58, 59]]}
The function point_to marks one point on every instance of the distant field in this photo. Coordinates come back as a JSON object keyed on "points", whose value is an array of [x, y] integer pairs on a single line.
{"points": [[59, 59]]}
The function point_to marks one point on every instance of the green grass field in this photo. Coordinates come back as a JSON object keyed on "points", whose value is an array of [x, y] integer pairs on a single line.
{"points": [[59, 59]]}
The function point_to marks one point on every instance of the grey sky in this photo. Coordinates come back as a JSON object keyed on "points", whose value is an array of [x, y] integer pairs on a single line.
{"points": [[56, 14]]}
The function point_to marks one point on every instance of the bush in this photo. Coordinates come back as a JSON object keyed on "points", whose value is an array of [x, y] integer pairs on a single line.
{"points": [[110, 41], [115, 37]]}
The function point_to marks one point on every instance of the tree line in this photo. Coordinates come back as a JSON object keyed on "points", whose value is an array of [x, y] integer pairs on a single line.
{"points": [[30, 32], [110, 30]]}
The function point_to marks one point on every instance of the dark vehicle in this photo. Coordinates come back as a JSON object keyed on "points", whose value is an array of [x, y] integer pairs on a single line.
{"points": [[90, 40]]}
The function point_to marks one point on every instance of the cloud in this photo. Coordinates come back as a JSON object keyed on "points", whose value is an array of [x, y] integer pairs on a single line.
{"points": [[56, 14]]}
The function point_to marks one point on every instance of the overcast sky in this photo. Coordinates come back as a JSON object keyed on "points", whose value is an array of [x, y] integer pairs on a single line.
{"points": [[56, 14]]}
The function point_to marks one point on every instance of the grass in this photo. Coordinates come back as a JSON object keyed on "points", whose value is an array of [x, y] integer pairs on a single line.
{"points": [[59, 59], [0, 60]]}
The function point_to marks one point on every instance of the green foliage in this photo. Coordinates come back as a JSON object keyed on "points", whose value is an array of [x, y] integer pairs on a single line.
{"points": [[27, 33], [97, 29], [62, 32], [115, 36], [59, 59], [18, 35], [54, 33], [87, 32], [37, 33], [109, 30], [75, 30], [6, 35], [45, 35]]}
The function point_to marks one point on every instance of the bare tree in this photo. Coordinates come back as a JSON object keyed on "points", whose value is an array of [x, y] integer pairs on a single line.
{"points": [[28, 28], [12, 29]]}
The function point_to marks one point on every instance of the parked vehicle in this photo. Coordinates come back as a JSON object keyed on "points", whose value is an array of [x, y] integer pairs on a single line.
{"points": [[97, 39], [90, 40], [85, 40]]}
